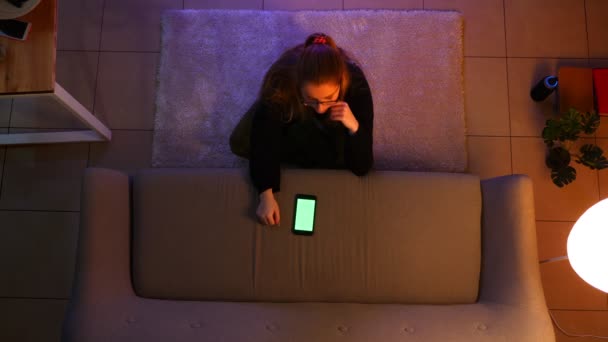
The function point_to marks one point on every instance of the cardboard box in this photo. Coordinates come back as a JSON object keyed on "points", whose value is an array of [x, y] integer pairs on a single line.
{"points": [[575, 89]]}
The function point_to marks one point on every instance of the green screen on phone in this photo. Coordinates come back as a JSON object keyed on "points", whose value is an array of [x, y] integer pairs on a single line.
{"points": [[305, 214]]}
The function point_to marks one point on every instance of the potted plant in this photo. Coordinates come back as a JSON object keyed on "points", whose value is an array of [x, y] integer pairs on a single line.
{"points": [[560, 134]]}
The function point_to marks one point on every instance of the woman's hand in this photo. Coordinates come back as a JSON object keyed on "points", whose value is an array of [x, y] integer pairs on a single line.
{"points": [[268, 209], [341, 112]]}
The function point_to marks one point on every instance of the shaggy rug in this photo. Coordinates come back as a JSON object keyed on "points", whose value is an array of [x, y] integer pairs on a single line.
{"points": [[213, 62]]}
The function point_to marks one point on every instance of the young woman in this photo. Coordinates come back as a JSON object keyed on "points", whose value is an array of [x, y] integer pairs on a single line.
{"points": [[314, 110]]}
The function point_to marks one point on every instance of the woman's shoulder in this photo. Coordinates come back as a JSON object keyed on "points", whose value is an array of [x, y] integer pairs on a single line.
{"points": [[357, 76], [354, 68]]}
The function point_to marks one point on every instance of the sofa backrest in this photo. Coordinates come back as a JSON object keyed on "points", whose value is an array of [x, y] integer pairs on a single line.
{"points": [[388, 237]]}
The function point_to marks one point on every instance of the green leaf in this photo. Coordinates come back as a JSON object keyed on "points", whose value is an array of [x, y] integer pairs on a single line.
{"points": [[557, 158], [551, 132], [571, 125], [590, 122], [592, 156], [563, 176]]}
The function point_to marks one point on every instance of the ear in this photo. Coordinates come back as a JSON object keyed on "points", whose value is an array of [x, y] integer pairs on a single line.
{"points": [[344, 83]]}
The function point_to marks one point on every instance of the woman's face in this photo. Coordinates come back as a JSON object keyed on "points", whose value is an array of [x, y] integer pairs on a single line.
{"points": [[321, 96]]}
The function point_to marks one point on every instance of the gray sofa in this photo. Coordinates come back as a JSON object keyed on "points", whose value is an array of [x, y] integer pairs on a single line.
{"points": [[177, 255]]}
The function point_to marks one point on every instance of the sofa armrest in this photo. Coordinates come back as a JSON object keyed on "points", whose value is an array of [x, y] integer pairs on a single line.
{"points": [[510, 272], [103, 257]]}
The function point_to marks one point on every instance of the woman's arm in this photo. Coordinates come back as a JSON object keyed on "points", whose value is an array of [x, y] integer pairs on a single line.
{"points": [[358, 151], [264, 163]]}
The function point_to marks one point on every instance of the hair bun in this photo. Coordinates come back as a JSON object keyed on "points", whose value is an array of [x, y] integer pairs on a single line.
{"points": [[319, 38]]}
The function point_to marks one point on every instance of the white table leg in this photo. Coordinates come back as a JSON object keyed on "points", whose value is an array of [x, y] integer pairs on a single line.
{"points": [[99, 132]]}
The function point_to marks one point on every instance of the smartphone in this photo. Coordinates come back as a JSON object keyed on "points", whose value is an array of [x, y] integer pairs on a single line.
{"points": [[304, 214], [14, 29]]}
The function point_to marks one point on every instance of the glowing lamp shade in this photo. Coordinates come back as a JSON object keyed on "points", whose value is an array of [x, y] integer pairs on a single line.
{"points": [[588, 246]]}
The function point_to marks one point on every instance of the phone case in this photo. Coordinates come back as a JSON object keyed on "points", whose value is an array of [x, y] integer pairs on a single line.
{"points": [[25, 34]]}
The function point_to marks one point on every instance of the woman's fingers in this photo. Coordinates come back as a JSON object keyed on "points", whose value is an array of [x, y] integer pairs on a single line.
{"points": [[336, 112], [339, 118], [268, 212], [270, 220], [336, 115], [337, 108]]}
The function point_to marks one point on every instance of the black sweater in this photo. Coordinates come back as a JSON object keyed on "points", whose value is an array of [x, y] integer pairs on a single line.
{"points": [[312, 141]]}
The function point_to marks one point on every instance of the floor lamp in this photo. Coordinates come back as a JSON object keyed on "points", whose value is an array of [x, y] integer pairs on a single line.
{"points": [[587, 250]]}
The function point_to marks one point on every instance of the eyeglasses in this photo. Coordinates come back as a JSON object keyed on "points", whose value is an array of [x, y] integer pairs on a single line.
{"points": [[314, 103]]}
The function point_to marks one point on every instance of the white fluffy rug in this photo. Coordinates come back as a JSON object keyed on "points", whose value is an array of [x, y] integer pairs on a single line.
{"points": [[213, 62]]}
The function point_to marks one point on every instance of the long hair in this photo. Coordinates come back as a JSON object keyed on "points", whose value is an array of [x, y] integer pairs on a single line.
{"points": [[318, 60]]}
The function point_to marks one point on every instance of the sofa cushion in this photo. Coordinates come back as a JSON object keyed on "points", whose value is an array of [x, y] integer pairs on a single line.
{"points": [[388, 237]]}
